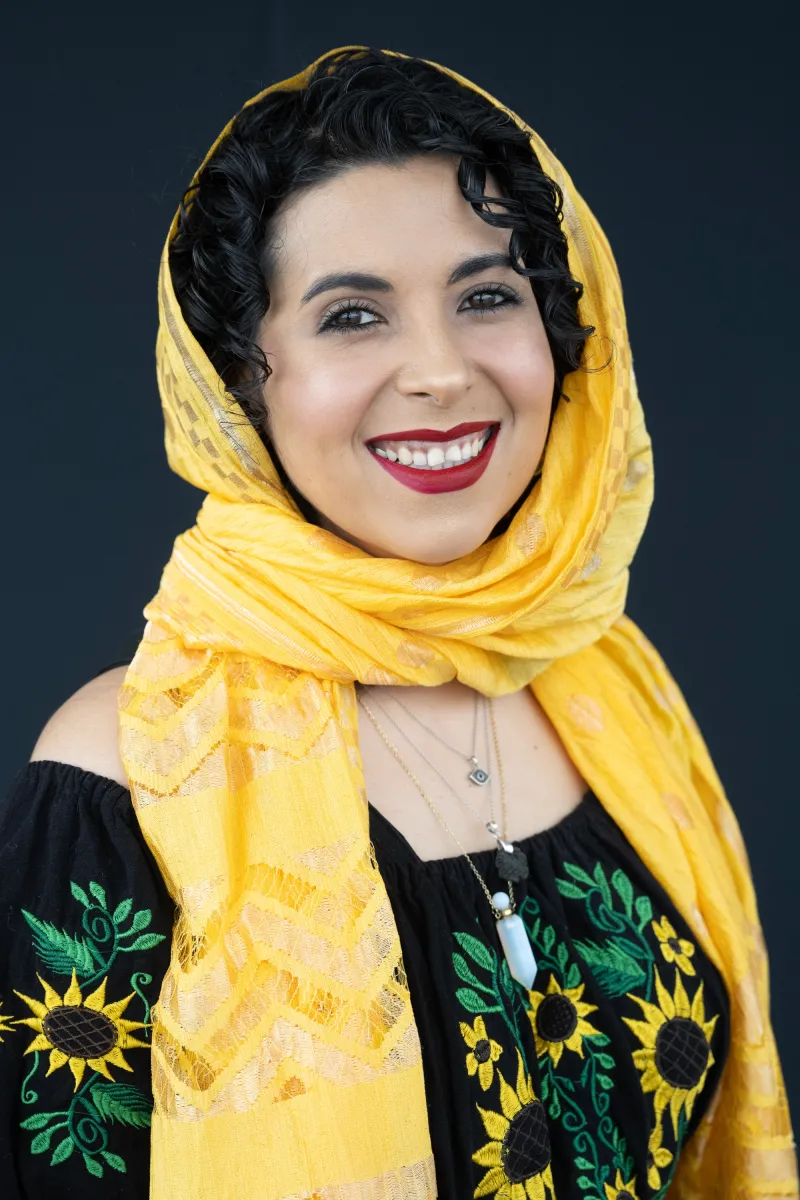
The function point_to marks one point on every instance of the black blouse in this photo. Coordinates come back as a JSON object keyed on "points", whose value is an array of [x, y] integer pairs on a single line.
{"points": [[586, 1087]]}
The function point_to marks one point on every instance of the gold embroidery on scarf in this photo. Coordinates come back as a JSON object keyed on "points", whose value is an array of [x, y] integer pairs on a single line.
{"points": [[586, 713]]}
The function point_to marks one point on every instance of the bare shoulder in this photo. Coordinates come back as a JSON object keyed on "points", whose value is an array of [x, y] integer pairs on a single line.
{"points": [[84, 731]]}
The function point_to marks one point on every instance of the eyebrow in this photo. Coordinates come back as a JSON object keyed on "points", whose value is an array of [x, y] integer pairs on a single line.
{"points": [[363, 281]]}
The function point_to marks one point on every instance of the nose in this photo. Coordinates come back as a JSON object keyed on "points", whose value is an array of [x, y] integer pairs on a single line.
{"points": [[435, 366]]}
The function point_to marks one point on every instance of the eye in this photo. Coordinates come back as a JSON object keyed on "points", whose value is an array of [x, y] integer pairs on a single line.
{"points": [[336, 318], [493, 291]]}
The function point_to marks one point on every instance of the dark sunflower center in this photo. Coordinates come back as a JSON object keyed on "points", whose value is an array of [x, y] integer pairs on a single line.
{"points": [[482, 1051], [625, 1195], [681, 1052], [556, 1018], [526, 1147], [80, 1032], [674, 945]]}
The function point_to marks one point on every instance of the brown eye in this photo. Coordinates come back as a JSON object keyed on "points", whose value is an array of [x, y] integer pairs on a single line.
{"points": [[335, 320]]}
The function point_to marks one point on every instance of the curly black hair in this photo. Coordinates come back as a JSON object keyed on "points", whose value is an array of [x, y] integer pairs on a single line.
{"points": [[359, 106]]}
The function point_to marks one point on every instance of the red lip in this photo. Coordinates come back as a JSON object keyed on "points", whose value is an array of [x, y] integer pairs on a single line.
{"points": [[451, 479], [434, 435]]}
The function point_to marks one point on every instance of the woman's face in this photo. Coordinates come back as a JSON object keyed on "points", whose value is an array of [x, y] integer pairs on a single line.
{"points": [[395, 317]]}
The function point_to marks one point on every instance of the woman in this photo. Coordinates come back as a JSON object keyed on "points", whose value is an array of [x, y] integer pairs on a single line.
{"points": [[405, 825]]}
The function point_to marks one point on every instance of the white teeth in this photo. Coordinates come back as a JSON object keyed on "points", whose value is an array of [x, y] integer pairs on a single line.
{"points": [[434, 457]]}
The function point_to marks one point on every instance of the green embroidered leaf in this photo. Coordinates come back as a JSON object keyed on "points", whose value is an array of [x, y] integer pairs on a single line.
{"points": [[599, 1039], [544, 1089], [584, 1182], [121, 911], [624, 888], [79, 894], [58, 950], [605, 1082], [555, 1107], [122, 1102], [570, 890], [463, 972], [472, 1001], [506, 981], [634, 949], [605, 1060], [548, 939], [573, 975], [644, 910], [476, 950], [583, 1164], [39, 1120], [141, 920], [62, 1150], [615, 971], [579, 874], [569, 1084], [602, 883], [114, 1161], [98, 893], [42, 1140], [562, 957], [93, 1166], [145, 941]]}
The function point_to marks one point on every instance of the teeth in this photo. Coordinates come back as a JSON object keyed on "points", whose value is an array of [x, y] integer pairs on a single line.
{"points": [[434, 457]]}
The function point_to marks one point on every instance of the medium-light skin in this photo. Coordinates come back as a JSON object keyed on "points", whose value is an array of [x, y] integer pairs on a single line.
{"points": [[428, 353], [427, 358]]}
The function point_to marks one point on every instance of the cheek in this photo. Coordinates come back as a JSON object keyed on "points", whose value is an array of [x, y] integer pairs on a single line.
{"points": [[318, 407], [521, 365]]}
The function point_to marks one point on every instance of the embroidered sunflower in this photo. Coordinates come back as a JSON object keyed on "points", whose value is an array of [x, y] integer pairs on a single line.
{"points": [[676, 1050], [81, 1032], [675, 950], [620, 1190], [518, 1157], [658, 1157], [557, 1018], [483, 1052]]}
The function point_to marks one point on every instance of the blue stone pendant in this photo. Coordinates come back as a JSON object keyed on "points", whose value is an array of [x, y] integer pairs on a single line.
{"points": [[477, 774], [515, 942]]}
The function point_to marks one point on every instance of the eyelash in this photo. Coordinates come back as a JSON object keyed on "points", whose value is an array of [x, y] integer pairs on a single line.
{"points": [[329, 324]]}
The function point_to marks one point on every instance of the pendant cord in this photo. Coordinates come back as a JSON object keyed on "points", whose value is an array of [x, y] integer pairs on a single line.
{"points": [[497, 912]]}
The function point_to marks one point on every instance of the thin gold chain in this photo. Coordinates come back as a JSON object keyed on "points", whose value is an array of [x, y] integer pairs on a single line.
{"points": [[498, 914]]}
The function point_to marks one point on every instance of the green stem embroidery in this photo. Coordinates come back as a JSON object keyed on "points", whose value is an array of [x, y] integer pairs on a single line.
{"points": [[30, 1097], [141, 979]]}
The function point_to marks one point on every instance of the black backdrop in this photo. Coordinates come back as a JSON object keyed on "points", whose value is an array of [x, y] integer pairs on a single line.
{"points": [[677, 124]]}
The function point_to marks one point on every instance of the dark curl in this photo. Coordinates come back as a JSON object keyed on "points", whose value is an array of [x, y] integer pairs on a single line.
{"points": [[359, 107]]}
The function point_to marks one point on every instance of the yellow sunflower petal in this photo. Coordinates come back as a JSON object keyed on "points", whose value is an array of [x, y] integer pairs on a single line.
{"points": [[534, 1187], [552, 985], [72, 996], [112, 1011], [37, 1008], [467, 1034], [525, 1091], [644, 1030], [51, 997], [31, 1022], [698, 1012], [664, 998], [687, 948], [117, 1059], [489, 1155], [57, 1059], [682, 1007], [509, 1101], [653, 1013], [77, 1066], [495, 1125], [586, 1029], [491, 1181], [495, 1050], [534, 1000], [675, 1105], [574, 994], [662, 1157], [485, 1073], [99, 1064], [653, 1177], [668, 952], [472, 1063], [651, 1081], [685, 965], [583, 1009], [41, 1042], [574, 1042], [555, 1049], [480, 1029], [97, 998]]}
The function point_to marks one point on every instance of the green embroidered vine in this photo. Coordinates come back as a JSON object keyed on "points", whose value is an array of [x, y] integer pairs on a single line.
{"points": [[86, 1032]]}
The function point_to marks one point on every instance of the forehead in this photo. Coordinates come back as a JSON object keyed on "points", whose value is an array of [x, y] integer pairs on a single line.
{"points": [[380, 216]]}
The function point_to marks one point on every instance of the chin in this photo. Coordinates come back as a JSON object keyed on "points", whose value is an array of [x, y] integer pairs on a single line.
{"points": [[436, 551]]}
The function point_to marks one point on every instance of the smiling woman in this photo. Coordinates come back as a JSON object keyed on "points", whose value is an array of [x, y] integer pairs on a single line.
{"points": [[406, 824]]}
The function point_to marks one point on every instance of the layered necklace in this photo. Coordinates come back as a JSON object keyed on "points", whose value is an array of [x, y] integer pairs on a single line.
{"points": [[510, 861]]}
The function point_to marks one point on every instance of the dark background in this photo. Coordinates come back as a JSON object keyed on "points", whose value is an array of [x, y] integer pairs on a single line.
{"points": [[677, 124]]}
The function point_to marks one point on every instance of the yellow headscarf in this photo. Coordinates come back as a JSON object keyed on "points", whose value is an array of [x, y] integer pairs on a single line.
{"points": [[284, 1044]]}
